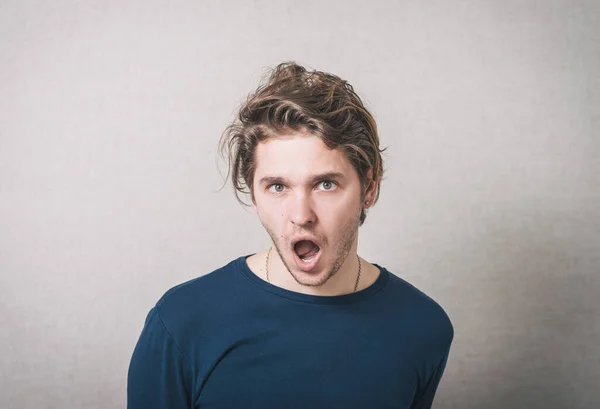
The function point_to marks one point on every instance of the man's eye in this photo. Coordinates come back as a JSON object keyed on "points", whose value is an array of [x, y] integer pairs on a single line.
{"points": [[328, 185], [276, 187]]}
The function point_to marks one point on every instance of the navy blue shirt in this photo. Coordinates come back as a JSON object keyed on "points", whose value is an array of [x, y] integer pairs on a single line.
{"points": [[230, 340]]}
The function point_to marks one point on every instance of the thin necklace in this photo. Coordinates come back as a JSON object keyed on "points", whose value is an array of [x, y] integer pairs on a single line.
{"points": [[355, 284]]}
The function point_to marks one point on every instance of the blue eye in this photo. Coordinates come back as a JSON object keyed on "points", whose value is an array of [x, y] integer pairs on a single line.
{"points": [[276, 187], [328, 185]]}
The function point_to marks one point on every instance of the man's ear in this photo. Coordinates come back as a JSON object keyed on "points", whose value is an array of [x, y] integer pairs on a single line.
{"points": [[371, 189]]}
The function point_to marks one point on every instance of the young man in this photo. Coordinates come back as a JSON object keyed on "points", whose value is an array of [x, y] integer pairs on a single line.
{"points": [[306, 323]]}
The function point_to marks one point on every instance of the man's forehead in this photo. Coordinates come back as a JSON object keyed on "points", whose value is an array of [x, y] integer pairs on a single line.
{"points": [[304, 159]]}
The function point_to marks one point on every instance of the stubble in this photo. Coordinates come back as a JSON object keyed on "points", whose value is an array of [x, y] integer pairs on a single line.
{"points": [[341, 250]]}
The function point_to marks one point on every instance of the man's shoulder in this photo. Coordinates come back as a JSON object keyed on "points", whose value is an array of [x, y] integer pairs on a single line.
{"points": [[198, 296], [420, 311]]}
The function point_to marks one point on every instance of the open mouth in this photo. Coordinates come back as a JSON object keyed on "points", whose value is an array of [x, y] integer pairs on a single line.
{"points": [[306, 250]]}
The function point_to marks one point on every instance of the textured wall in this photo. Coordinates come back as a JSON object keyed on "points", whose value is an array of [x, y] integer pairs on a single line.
{"points": [[109, 117]]}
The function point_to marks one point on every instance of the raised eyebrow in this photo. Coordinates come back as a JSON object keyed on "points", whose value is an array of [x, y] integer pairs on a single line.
{"points": [[327, 176], [272, 180]]}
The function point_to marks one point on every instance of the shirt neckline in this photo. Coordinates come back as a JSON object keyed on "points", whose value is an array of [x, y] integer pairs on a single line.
{"points": [[379, 283]]}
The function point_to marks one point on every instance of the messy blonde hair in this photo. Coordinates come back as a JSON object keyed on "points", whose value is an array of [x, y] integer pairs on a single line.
{"points": [[294, 99]]}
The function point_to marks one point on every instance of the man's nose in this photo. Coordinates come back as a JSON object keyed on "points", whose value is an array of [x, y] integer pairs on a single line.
{"points": [[302, 212]]}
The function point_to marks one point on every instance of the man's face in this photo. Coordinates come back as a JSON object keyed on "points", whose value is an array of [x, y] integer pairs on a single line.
{"points": [[308, 198]]}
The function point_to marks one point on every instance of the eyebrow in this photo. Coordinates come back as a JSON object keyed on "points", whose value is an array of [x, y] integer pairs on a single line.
{"points": [[315, 178]]}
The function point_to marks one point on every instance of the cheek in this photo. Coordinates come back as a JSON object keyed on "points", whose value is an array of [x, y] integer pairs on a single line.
{"points": [[341, 206], [336, 214], [270, 215], [273, 208]]}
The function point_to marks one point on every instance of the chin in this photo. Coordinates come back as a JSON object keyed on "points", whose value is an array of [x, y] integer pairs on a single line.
{"points": [[317, 275], [311, 279]]}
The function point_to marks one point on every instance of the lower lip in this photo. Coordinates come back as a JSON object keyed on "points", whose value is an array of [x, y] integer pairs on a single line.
{"points": [[309, 264]]}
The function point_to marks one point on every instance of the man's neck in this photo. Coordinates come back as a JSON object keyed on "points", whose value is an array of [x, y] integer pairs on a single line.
{"points": [[341, 283]]}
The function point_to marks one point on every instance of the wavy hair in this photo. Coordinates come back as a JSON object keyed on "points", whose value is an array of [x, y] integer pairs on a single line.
{"points": [[294, 99]]}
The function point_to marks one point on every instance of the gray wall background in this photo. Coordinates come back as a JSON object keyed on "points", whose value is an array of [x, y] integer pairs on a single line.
{"points": [[110, 114]]}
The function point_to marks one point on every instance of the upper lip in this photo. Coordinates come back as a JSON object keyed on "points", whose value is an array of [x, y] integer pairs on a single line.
{"points": [[301, 238]]}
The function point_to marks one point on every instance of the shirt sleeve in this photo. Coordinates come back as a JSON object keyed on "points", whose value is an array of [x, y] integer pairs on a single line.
{"points": [[425, 399], [159, 377]]}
